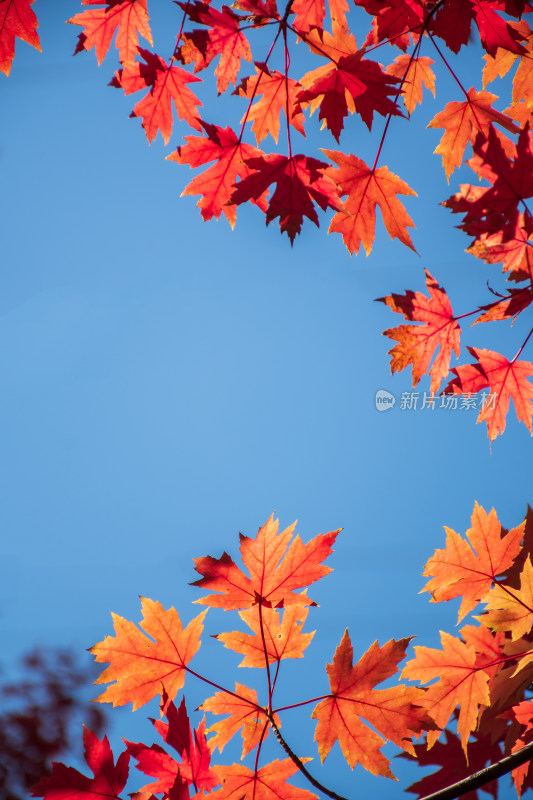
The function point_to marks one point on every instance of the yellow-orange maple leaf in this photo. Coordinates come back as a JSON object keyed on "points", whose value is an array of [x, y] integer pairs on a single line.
{"points": [[276, 569], [394, 712], [267, 783], [460, 683], [463, 122], [468, 568], [244, 712], [282, 640], [509, 609], [416, 73], [367, 188], [141, 666], [417, 343]]}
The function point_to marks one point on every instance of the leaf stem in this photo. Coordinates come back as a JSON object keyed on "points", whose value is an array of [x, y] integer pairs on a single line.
{"points": [[301, 766]]}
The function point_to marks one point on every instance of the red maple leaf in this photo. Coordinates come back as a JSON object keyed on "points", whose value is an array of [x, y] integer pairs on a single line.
{"points": [[194, 752], [417, 343], [217, 183], [367, 188], [223, 38], [309, 14], [453, 23], [167, 84], [349, 83], [128, 17], [512, 182], [505, 378], [300, 183], [453, 766], [510, 306], [17, 21], [66, 783], [394, 20]]}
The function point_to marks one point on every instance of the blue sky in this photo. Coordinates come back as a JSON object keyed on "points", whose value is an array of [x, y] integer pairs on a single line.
{"points": [[168, 383]]}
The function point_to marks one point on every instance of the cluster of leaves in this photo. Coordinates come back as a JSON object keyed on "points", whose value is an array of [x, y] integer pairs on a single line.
{"points": [[349, 82], [479, 682], [40, 713]]}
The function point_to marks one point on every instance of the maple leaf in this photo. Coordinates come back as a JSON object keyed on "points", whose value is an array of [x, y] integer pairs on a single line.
{"points": [[349, 83], [278, 92], [167, 84], [300, 182], [244, 712], [415, 74], [217, 183], [17, 21], [394, 20], [128, 18], [460, 683], [453, 22], [511, 610], [141, 666], [309, 14], [367, 188], [508, 307], [223, 38], [267, 783], [512, 180], [463, 122], [276, 569], [284, 640], [259, 11], [194, 752], [505, 378], [66, 782], [393, 712], [449, 756], [468, 568], [417, 343], [512, 248]]}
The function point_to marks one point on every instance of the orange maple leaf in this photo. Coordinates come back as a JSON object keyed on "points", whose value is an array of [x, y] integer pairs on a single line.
{"points": [[223, 38], [460, 683], [267, 783], [284, 640], [394, 712], [143, 667], [217, 183], [505, 378], [309, 14], [417, 343], [129, 18], [415, 73], [167, 84], [17, 21], [278, 92], [276, 569], [468, 568], [463, 122], [509, 609], [367, 188], [244, 712]]}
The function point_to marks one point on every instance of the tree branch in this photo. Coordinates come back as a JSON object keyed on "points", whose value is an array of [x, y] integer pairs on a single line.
{"points": [[484, 776]]}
